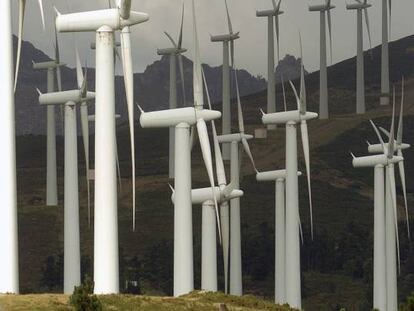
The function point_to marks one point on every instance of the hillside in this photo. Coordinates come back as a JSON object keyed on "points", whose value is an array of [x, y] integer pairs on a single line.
{"points": [[151, 87], [336, 266]]}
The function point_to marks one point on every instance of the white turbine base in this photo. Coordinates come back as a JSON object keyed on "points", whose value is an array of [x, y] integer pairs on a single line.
{"points": [[280, 247], [71, 263], [271, 84], [208, 248], [360, 84], [106, 260], [379, 275], [51, 171], [173, 105], [183, 219], [236, 286], [385, 70], [323, 77], [390, 246], [9, 259], [226, 117], [292, 259]]}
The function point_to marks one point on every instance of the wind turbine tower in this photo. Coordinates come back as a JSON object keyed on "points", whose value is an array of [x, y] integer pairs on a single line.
{"points": [[71, 189], [9, 265], [104, 23], [271, 82], [53, 70], [227, 40], [325, 13], [183, 119], [291, 119], [385, 58], [360, 83]]}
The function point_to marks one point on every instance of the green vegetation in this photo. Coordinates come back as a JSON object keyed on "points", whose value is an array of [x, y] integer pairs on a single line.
{"points": [[196, 301], [83, 298]]}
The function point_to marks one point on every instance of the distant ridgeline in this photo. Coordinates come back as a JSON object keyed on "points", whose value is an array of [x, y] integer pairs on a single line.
{"points": [[152, 88]]}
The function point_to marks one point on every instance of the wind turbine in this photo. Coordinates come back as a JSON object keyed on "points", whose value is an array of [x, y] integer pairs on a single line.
{"points": [[279, 178], [360, 84], [271, 83], [391, 211], [385, 221], [399, 146], [173, 53], [53, 70], [323, 86], [71, 188], [385, 60], [9, 265], [183, 119], [291, 119], [230, 219], [227, 39], [105, 22]]}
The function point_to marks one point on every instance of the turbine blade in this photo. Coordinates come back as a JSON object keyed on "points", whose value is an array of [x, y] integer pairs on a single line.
{"points": [[171, 39], [180, 37], [129, 91], [274, 5], [379, 136], [85, 138], [246, 148], [197, 76], [57, 60], [79, 73], [228, 18], [278, 5], [124, 8], [232, 53], [296, 94], [284, 92], [400, 122], [239, 107], [181, 66], [368, 27], [22, 7], [391, 179], [391, 143], [302, 95], [208, 161], [404, 188], [389, 14], [277, 37], [305, 145], [330, 31], [42, 13], [220, 171]]}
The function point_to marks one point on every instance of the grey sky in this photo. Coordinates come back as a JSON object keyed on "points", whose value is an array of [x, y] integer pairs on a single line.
{"points": [[251, 48]]}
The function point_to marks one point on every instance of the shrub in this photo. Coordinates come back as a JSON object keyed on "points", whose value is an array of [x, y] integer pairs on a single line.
{"points": [[83, 298]]}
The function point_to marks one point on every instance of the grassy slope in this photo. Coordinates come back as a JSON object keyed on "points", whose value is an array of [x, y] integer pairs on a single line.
{"points": [[195, 301]]}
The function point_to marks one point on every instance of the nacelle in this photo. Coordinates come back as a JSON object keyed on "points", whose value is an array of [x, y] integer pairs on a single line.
{"points": [[267, 13], [199, 196], [320, 7], [272, 175], [93, 20], [61, 98], [47, 65], [173, 117], [357, 6], [228, 37], [374, 160], [170, 51], [237, 137], [377, 148], [286, 116]]}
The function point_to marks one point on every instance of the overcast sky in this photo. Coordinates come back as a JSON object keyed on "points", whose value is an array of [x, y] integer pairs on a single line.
{"points": [[251, 48]]}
